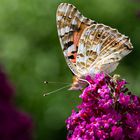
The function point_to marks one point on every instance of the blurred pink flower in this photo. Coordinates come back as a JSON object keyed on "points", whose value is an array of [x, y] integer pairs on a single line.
{"points": [[14, 124]]}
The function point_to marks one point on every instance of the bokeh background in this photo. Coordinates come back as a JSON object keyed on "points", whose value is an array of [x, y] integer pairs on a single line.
{"points": [[30, 53]]}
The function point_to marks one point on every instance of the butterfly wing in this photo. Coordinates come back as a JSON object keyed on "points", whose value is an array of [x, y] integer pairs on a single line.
{"points": [[115, 47], [100, 49], [89, 47], [70, 25]]}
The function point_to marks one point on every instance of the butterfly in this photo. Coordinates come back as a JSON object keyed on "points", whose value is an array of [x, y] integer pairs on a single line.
{"points": [[88, 47]]}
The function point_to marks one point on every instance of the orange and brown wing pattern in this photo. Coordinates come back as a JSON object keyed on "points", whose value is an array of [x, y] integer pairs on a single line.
{"points": [[70, 24], [101, 48]]}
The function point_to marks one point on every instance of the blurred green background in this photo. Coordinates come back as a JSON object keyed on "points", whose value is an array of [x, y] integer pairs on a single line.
{"points": [[30, 53]]}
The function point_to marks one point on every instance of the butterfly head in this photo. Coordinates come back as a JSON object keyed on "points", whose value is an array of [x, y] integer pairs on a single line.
{"points": [[79, 83]]}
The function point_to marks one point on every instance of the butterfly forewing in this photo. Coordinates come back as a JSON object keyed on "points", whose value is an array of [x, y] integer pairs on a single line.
{"points": [[70, 25]]}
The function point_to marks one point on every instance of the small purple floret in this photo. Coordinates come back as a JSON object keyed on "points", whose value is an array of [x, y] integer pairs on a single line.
{"points": [[108, 112]]}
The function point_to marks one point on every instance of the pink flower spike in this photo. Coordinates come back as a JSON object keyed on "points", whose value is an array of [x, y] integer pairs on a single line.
{"points": [[103, 115]]}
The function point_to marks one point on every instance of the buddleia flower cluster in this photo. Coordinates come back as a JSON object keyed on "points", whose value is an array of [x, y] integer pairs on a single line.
{"points": [[108, 112]]}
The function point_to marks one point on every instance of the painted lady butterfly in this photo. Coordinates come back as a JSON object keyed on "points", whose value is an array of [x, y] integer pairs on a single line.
{"points": [[89, 47]]}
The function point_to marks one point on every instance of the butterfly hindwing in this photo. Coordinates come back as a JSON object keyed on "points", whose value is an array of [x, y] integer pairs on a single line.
{"points": [[100, 49]]}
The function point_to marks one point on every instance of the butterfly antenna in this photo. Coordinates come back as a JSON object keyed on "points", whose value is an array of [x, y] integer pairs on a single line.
{"points": [[46, 94], [51, 82]]}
